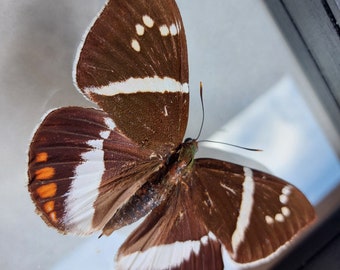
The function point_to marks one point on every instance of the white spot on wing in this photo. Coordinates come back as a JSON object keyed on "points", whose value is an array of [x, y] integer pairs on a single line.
{"points": [[104, 134], [147, 84], [283, 198], [148, 21], [287, 190], [139, 29], [269, 220], [165, 111], [285, 211], [135, 45], [164, 30], [245, 209], [279, 217], [109, 123], [173, 30]]}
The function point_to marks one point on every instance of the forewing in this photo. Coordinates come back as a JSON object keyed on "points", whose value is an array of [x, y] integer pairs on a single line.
{"points": [[253, 214], [133, 63], [82, 169]]}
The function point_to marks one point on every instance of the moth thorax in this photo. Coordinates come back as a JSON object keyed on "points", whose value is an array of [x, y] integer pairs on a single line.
{"points": [[188, 151]]}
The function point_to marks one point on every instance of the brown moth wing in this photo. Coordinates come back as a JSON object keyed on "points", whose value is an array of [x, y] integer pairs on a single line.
{"points": [[171, 237], [144, 91], [82, 169], [251, 212]]}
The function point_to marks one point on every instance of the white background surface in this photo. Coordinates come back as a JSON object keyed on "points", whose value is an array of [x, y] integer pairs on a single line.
{"points": [[234, 48]]}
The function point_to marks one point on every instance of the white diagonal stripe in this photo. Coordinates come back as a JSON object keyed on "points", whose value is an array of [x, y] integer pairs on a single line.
{"points": [[163, 256], [245, 209], [133, 85], [84, 187], [230, 264]]}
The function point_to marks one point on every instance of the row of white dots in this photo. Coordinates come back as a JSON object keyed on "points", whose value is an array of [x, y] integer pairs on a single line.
{"points": [[165, 30], [149, 22], [285, 211], [280, 217]]}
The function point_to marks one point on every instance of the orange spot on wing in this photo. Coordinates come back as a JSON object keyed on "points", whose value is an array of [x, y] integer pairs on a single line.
{"points": [[49, 206], [45, 173], [53, 217], [41, 157], [47, 191]]}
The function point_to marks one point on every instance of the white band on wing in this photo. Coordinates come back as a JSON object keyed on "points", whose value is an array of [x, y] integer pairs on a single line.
{"points": [[133, 85]]}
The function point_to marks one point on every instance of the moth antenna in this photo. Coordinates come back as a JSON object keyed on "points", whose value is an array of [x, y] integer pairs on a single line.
{"points": [[233, 145], [202, 106], [224, 143]]}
